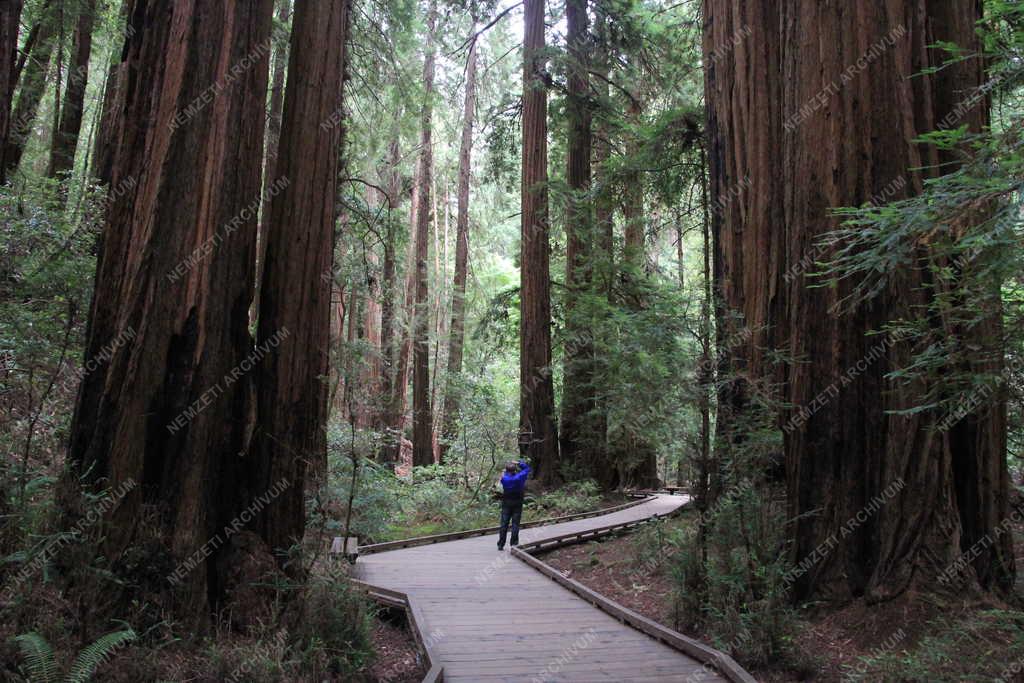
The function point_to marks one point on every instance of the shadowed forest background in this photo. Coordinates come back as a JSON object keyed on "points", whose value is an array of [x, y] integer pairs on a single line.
{"points": [[285, 272]]}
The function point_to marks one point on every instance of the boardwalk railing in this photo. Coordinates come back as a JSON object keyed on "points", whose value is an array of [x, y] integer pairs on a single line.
{"points": [[435, 672], [456, 535], [708, 656]]}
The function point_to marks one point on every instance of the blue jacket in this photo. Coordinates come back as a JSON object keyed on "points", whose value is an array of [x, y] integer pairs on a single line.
{"points": [[515, 484]]}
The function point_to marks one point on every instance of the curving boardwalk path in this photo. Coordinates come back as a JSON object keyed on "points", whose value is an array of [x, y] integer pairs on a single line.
{"points": [[489, 617]]}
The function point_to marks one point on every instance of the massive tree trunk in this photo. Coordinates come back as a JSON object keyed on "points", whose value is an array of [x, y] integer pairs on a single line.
{"points": [[295, 296], [32, 81], [10, 19], [892, 500], [457, 334], [743, 90], [65, 142], [422, 416], [578, 402], [538, 437], [169, 411], [849, 450]]}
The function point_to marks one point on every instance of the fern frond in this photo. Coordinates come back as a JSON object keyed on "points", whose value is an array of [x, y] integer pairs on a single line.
{"points": [[39, 658], [89, 659]]}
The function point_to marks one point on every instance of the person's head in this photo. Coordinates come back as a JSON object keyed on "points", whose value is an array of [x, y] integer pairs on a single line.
{"points": [[511, 467]]}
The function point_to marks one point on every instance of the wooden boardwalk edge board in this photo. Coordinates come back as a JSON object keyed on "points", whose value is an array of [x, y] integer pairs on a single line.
{"points": [[456, 535], [393, 598], [705, 654]]}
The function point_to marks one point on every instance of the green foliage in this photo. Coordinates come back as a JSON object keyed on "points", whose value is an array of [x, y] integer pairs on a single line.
{"points": [[94, 655], [577, 496], [739, 596], [41, 662], [334, 634], [46, 272], [984, 646]]}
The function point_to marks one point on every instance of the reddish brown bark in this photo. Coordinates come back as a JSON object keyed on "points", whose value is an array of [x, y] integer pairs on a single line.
{"points": [[295, 295], [916, 497], [538, 437], [31, 80], [578, 403], [65, 142], [457, 335], [162, 412], [423, 420], [744, 122], [10, 18]]}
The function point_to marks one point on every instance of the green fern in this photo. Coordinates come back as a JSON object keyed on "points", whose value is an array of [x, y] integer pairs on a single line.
{"points": [[42, 664], [39, 658], [91, 657]]}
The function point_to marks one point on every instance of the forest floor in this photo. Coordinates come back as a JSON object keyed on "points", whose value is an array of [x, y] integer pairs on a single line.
{"points": [[919, 639], [398, 659]]}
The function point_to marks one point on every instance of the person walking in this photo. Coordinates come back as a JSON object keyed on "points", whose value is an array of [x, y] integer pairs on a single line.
{"points": [[513, 483]]}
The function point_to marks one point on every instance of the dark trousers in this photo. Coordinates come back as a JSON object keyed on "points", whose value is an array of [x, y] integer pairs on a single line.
{"points": [[510, 512]]}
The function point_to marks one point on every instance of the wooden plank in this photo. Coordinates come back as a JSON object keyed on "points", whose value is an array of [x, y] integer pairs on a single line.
{"points": [[470, 533], [435, 672], [694, 648], [488, 608]]}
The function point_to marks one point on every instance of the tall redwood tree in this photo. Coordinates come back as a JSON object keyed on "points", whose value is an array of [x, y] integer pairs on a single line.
{"points": [[457, 334], [295, 296], [422, 414], [538, 437], [10, 19], [62, 151], [168, 411], [942, 492], [578, 404]]}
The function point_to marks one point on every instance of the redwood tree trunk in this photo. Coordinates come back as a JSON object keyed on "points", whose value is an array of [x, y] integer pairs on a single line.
{"points": [[102, 156], [538, 437], [168, 411], [10, 18], [602, 262], [295, 296], [742, 45], [389, 288], [578, 403], [457, 334], [65, 142], [422, 416], [400, 383], [888, 495], [32, 81]]}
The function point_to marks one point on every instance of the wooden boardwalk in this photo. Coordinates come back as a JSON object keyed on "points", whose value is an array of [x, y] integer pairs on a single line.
{"points": [[489, 617]]}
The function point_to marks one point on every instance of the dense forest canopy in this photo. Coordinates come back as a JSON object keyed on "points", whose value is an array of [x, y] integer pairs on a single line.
{"points": [[284, 278]]}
